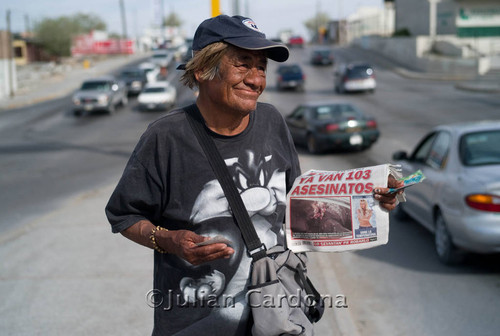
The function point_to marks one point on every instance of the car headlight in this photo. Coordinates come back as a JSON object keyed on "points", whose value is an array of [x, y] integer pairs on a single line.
{"points": [[103, 100], [76, 101], [136, 84]]}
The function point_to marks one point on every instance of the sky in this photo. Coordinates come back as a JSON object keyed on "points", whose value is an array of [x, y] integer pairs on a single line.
{"points": [[271, 16]]}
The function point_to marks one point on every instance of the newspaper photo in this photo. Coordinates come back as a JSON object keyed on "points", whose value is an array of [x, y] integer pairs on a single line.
{"points": [[333, 211]]}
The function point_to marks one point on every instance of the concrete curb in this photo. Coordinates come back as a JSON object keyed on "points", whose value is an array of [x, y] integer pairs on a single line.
{"points": [[479, 87], [430, 76]]}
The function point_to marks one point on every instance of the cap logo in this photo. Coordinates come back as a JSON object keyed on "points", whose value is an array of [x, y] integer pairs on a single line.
{"points": [[252, 25]]}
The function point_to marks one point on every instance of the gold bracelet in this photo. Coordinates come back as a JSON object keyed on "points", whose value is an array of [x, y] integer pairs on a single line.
{"points": [[153, 239]]}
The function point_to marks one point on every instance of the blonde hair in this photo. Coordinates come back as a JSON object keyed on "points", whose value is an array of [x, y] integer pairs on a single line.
{"points": [[207, 60]]}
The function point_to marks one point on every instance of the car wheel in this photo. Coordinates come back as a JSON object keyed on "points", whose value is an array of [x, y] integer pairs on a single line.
{"points": [[312, 144], [447, 252], [77, 113]]}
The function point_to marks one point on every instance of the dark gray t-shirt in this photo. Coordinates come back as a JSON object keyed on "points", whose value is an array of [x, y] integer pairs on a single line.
{"points": [[169, 181]]}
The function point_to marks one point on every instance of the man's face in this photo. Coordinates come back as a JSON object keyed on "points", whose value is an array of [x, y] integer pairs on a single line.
{"points": [[241, 80]]}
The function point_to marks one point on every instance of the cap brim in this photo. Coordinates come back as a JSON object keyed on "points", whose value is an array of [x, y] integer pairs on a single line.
{"points": [[276, 51], [181, 66]]}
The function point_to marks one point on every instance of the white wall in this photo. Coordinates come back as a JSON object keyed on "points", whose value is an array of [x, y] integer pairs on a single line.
{"points": [[413, 53]]}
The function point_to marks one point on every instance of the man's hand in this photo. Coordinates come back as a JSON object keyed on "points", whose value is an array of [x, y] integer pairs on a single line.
{"points": [[183, 244], [388, 200]]}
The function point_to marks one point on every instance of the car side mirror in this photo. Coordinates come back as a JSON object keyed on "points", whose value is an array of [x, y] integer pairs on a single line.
{"points": [[399, 156]]}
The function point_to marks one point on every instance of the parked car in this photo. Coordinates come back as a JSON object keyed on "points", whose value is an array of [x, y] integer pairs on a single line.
{"points": [[355, 77], [459, 201], [157, 96], [322, 56], [135, 78], [324, 126], [290, 76], [296, 41], [100, 94]]}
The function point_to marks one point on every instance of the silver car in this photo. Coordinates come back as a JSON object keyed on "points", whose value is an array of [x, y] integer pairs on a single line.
{"points": [[100, 94], [459, 201], [355, 77]]}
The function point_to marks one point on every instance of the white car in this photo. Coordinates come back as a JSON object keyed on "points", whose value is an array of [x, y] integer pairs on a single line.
{"points": [[157, 96], [162, 58], [151, 70], [459, 201], [355, 77]]}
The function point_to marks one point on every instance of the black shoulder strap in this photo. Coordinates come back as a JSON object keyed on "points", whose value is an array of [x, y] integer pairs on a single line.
{"points": [[254, 246]]}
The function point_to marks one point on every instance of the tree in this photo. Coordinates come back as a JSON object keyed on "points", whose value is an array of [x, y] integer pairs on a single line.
{"points": [[172, 20], [314, 24], [56, 35]]}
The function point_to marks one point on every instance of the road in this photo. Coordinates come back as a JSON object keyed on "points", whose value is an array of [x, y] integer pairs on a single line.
{"points": [[47, 156]]}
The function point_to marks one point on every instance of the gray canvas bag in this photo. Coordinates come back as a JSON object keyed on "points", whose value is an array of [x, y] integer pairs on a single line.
{"points": [[282, 298]]}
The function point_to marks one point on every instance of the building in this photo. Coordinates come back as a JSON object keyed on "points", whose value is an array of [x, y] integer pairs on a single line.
{"points": [[366, 21], [98, 43], [460, 37], [463, 18], [27, 51]]}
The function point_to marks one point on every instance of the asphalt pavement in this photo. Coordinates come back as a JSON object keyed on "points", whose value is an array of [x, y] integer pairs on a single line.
{"points": [[65, 273]]}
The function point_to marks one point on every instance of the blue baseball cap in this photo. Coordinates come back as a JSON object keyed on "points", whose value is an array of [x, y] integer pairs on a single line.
{"points": [[238, 31]]}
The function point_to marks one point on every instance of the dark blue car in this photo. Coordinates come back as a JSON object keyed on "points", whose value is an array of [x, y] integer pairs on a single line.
{"points": [[290, 76]]}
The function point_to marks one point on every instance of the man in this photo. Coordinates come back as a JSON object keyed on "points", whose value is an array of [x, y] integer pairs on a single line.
{"points": [[169, 199]]}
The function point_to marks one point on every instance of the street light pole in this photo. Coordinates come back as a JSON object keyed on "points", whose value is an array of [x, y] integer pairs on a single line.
{"points": [[433, 18], [124, 26], [9, 55]]}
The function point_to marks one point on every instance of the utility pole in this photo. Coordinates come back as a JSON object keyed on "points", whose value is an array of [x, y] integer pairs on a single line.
{"points": [[9, 55], [162, 16], [124, 25], [236, 7], [247, 9], [27, 27]]}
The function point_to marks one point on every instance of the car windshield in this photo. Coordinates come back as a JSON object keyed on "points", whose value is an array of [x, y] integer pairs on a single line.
{"points": [[480, 148], [160, 56], [337, 111], [290, 69], [95, 86], [360, 72], [322, 52], [154, 90], [131, 73]]}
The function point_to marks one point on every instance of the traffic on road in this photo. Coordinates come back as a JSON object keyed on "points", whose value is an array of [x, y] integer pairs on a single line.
{"points": [[406, 287]]}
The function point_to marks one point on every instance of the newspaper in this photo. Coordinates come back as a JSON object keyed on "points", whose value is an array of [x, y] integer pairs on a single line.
{"points": [[334, 211]]}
